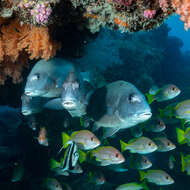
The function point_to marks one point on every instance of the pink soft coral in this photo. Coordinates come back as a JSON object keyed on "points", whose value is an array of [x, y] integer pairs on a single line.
{"points": [[183, 9]]}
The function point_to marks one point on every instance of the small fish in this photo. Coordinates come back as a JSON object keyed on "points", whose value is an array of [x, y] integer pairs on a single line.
{"points": [[132, 186], [182, 110], [157, 125], [167, 92], [68, 162], [18, 172], [164, 144], [136, 131], [183, 136], [139, 162], [158, 177], [171, 163], [52, 184], [104, 156], [96, 177], [185, 163], [141, 145], [42, 137], [84, 139], [153, 90]]}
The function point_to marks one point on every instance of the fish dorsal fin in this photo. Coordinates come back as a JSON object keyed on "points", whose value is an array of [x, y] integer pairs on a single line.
{"points": [[131, 141]]}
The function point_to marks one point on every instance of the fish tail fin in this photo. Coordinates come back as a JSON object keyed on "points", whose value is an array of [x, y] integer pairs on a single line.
{"points": [[82, 156], [54, 164], [65, 139], [90, 176], [180, 136], [142, 175], [150, 98], [81, 122], [182, 162], [161, 113], [144, 185], [123, 146]]}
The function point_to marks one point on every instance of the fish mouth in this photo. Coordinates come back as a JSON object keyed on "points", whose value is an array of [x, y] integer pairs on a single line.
{"points": [[145, 115], [34, 92], [69, 104], [26, 112]]}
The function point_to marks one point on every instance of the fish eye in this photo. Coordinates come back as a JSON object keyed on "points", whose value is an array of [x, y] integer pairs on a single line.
{"points": [[116, 155], [149, 144], [168, 143], [133, 98], [35, 77], [92, 138], [173, 88], [167, 177], [145, 161]]}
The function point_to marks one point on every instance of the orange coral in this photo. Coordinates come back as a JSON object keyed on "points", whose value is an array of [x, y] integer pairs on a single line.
{"points": [[183, 9], [16, 42], [38, 44]]}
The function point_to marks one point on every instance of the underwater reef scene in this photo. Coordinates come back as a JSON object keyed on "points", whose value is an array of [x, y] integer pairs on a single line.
{"points": [[94, 94]]}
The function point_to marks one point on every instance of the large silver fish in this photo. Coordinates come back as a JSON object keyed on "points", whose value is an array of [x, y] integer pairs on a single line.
{"points": [[75, 94], [118, 105], [32, 105], [47, 77]]}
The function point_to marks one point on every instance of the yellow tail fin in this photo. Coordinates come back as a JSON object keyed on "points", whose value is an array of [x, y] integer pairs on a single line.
{"points": [[142, 175], [180, 136], [150, 98], [65, 139], [54, 164], [144, 185], [123, 145], [82, 156], [182, 162]]}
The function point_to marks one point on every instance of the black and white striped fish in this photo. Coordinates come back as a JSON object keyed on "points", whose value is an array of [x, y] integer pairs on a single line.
{"points": [[69, 161]]}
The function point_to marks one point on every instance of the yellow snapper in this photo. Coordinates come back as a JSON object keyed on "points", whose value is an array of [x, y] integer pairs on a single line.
{"points": [[52, 184], [84, 139], [158, 177], [185, 163], [104, 156], [182, 110], [183, 136], [167, 92], [141, 145], [132, 186]]}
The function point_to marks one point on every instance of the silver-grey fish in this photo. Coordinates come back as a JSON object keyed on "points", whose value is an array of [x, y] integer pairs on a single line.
{"points": [[155, 125], [75, 94], [46, 77], [139, 162], [159, 177], [118, 105], [164, 144], [31, 105]]}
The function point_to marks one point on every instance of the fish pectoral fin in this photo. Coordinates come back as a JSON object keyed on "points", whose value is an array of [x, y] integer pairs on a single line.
{"points": [[108, 132], [54, 104], [66, 173]]}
